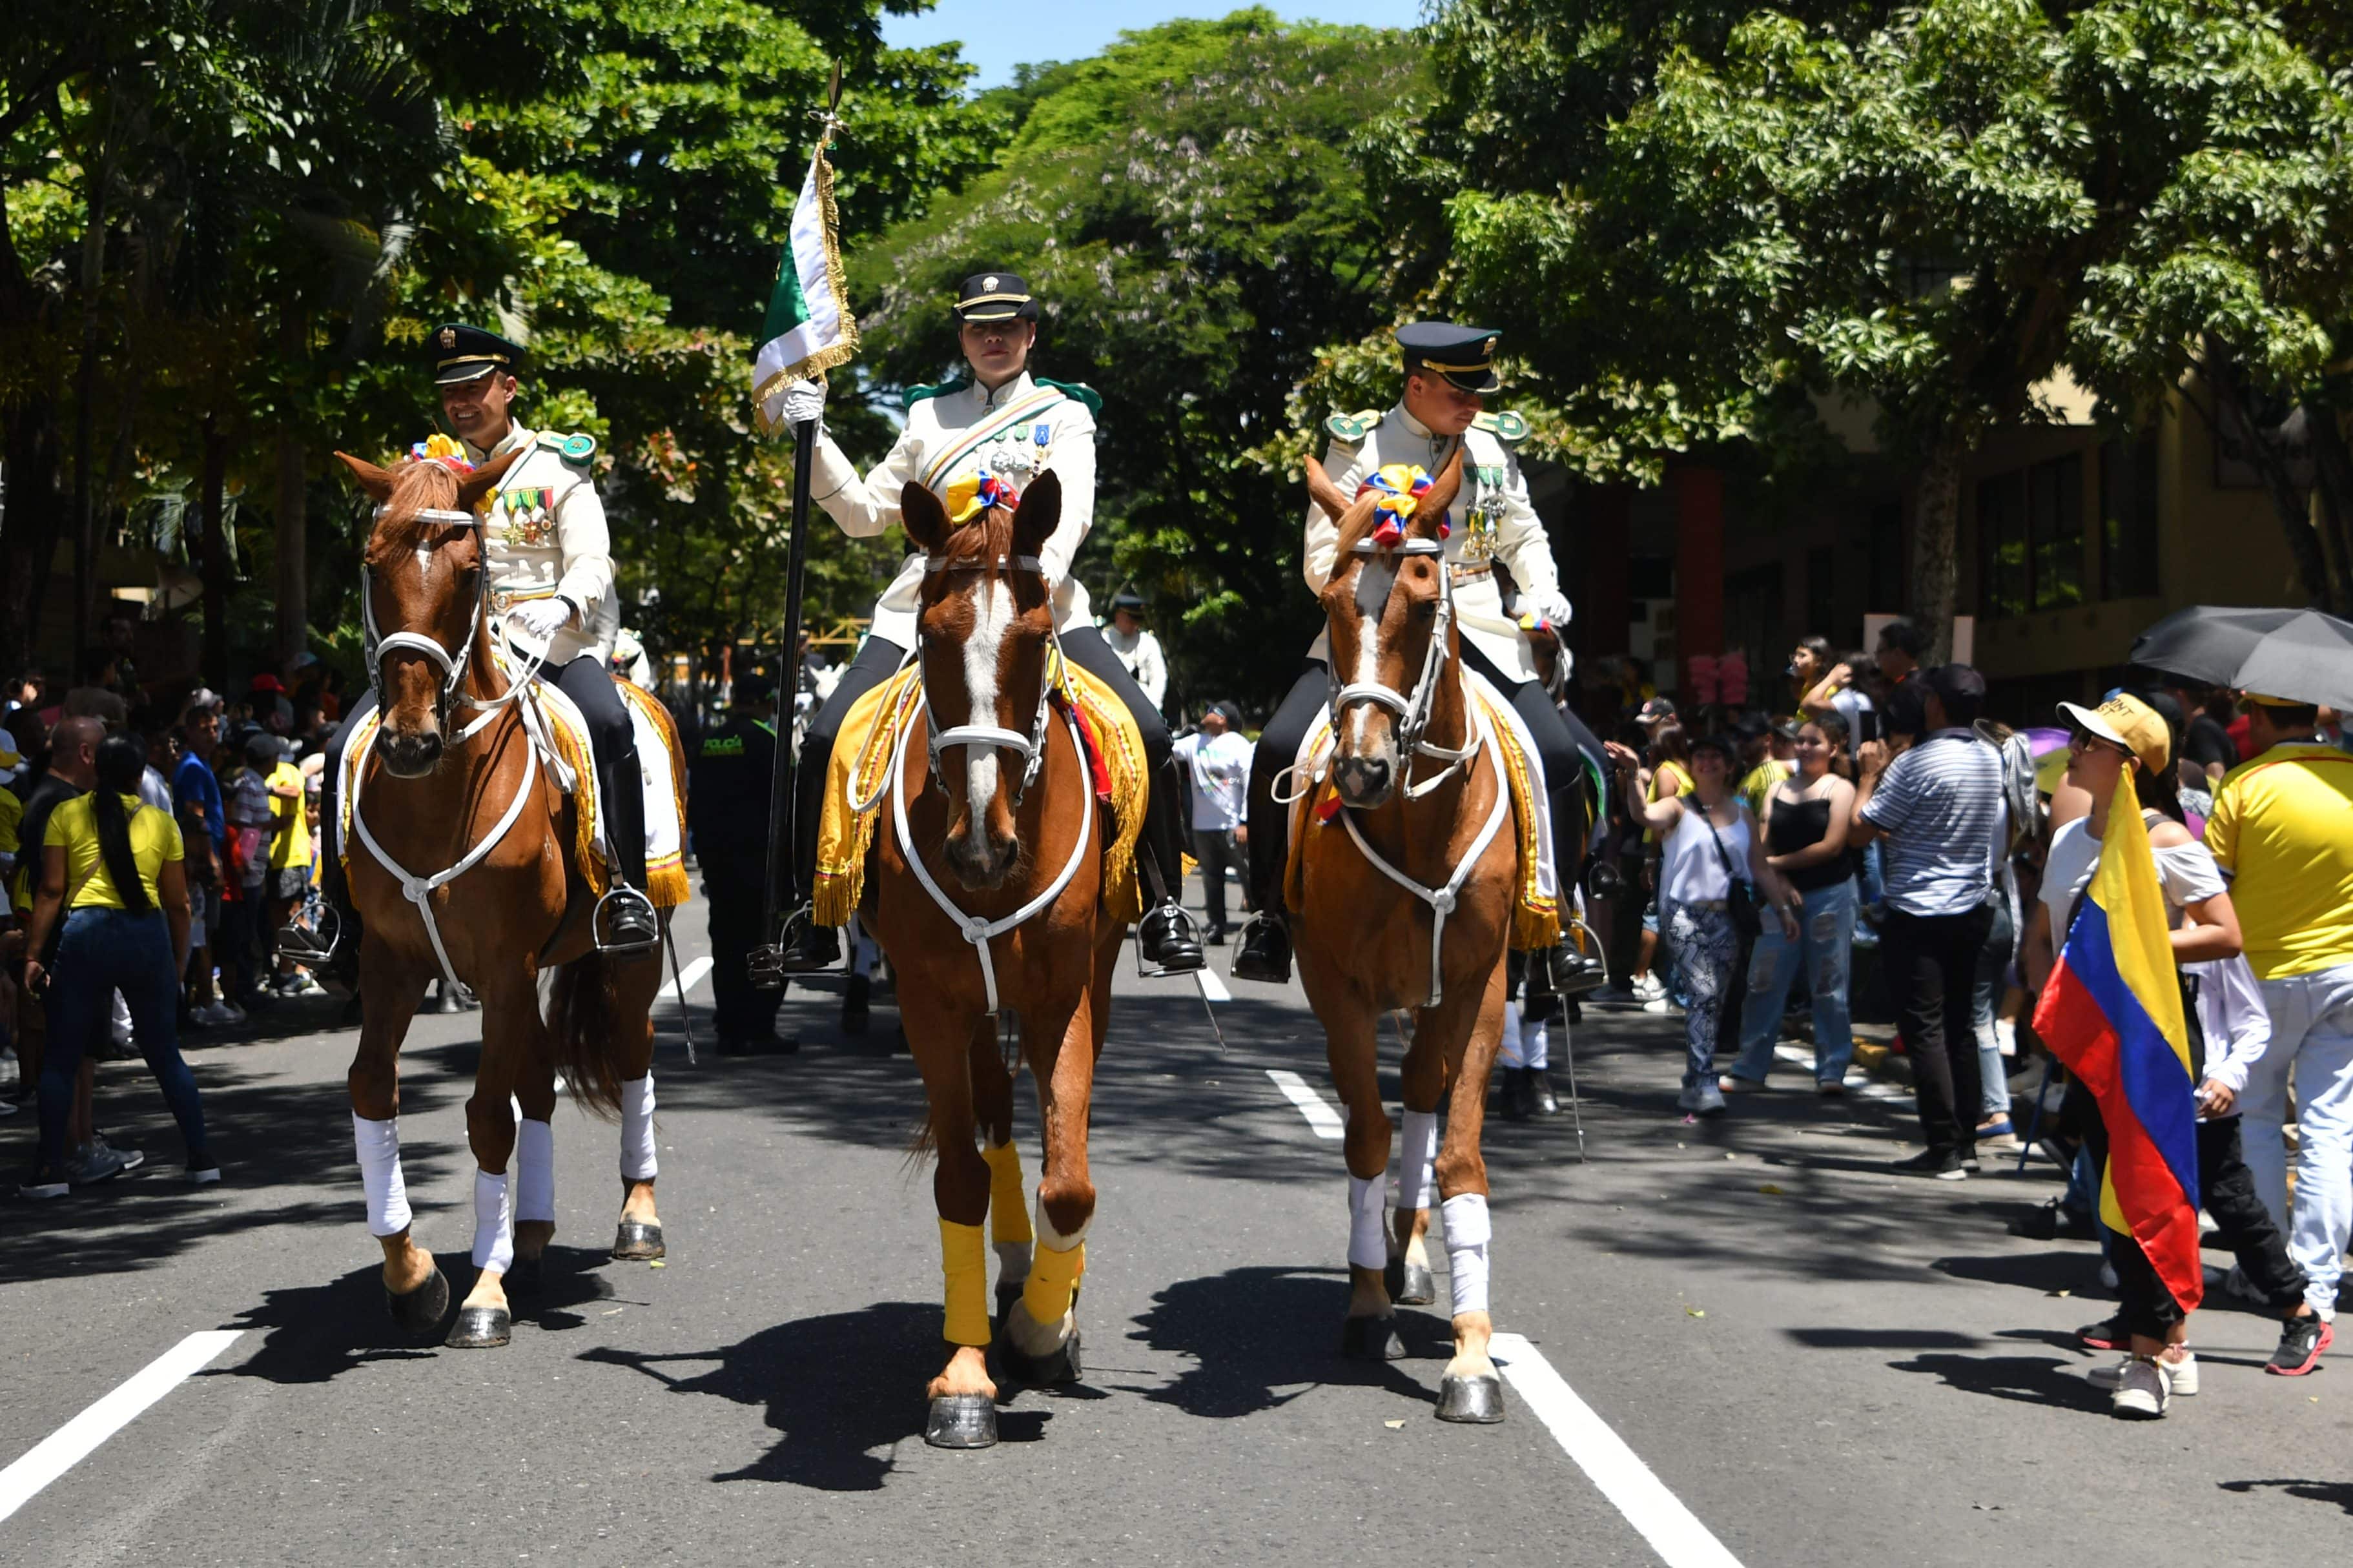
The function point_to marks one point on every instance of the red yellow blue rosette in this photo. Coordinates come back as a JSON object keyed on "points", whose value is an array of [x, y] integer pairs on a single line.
{"points": [[1400, 487]]}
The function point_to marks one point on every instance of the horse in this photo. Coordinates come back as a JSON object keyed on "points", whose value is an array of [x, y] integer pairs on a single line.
{"points": [[992, 791], [1407, 905], [465, 869]]}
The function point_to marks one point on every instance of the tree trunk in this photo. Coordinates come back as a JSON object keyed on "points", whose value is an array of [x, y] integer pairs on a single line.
{"points": [[85, 517], [2332, 464], [1935, 532], [214, 543], [2289, 504], [294, 571]]}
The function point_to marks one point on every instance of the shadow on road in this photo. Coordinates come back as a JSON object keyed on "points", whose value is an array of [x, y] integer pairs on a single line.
{"points": [[2031, 1380], [2339, 1493], [1258, 1338]]}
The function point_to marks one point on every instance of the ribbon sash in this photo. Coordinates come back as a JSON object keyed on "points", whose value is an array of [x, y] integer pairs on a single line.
{"points": [[979, 435]]}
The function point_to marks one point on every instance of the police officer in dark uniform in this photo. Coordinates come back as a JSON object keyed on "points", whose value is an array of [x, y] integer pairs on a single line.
{"points": [[727, 813]]}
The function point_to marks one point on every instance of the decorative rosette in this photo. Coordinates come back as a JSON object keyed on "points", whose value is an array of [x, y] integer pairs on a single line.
{"points": [[973, 494], [1532, 622], [439, 448], [1400, 487]]}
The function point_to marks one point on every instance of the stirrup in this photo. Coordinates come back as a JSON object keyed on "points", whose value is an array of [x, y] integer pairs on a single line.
{"points": [[1182, 951], [306, 945], [1264, 954], [627, 905], [803, 947]]}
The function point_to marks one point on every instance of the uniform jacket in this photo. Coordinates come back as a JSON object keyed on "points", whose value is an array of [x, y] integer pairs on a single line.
{"points": [[1491, 520], [727, 802], [1058, 432], [1142, 655], [545, 536]]}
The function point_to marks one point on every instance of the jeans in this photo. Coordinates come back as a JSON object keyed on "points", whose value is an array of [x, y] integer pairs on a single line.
{"points": [[1825, 941], [1985, 1007], [100, 953], [1214, 849], [2312, 1036], [1932, 962], [1706, 948]]}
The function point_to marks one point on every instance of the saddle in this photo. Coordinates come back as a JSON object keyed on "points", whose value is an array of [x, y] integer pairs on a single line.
{"points": [[870, 743]]}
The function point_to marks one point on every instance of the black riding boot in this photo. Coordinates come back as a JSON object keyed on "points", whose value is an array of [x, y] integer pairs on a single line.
{"points": [[1265, 950], [1164, 939], [625, 921]]}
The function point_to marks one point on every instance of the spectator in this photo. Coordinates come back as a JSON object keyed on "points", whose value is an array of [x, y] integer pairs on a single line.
{"points": [[112, 867], [1837, 691], [1709, 849], [1135, 647], [1806, 823], [244, 888], [1901, 644], [2283, 828], [1769, 755], [1810, 661], [2207, 750], [289, 882], [203, 830], [1938, 806], [1668, 777], [1217, 759]]}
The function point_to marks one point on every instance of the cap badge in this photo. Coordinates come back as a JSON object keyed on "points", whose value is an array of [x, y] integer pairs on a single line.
{"points": [[989, 283], [448, 339]]}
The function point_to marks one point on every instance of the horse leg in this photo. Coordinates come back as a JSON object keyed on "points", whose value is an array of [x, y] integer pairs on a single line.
{"points": [[415, 1289], [1009, 1200], [1041, 1337], [1351, 1043], [638, 1236], [535, 1185], [963, 1399], [1423, 1079], [1472, 1028], [510, 1030]]}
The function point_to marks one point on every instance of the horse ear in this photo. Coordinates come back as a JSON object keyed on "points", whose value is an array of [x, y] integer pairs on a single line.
{"points": [[922, 516], [473, 487], [1430, 510], [1324, 492], [375, 481], [1038, 515]]}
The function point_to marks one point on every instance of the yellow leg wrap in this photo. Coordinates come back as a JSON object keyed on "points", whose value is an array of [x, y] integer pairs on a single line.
{"points": [[1053, 1276], [964, 1260], [1009, 1208]]}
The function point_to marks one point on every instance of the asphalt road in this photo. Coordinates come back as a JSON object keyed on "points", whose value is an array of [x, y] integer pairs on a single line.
{"points": [[1811, 1361]]}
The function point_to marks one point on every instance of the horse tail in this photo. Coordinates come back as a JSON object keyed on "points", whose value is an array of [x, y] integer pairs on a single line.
{"points": [[584, 1019]]}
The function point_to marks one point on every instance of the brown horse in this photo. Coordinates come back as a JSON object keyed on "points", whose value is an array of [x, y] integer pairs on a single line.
{"points": [[992, 797], [1368, 944], [457, 796]]}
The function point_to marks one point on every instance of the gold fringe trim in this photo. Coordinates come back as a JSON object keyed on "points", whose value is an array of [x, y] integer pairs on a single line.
{"points": [[666, 892], [574, 749]]}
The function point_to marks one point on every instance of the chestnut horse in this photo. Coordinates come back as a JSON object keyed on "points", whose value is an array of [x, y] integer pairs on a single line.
{"points": [[456, 795], [1425, 802], [991, 795]]}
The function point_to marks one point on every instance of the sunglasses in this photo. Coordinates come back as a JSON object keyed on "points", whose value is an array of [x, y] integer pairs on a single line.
{"points": [[2084, 741]]}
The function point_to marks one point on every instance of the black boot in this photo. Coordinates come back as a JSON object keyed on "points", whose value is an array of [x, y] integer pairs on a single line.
{"points": [[625, 923], [807, 946], [1512, 1094], [1164, 939], [1265, 950], [1541, 1099], [1165, 943]]}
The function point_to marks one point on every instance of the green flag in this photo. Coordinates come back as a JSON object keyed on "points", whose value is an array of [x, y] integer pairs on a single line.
{"points": [[809, 329]]}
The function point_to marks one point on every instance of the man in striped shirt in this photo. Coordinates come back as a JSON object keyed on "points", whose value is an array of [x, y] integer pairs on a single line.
{"points": [[1939, 806]]}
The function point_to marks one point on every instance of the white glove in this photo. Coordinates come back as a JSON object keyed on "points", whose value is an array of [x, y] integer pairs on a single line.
{"points": [[1553, 608], [803, 402], [540, 619]]}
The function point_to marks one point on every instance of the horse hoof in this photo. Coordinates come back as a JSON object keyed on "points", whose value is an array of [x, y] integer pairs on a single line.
{"points": [[1057, 1368], [1409, 1283], [1371, 1338], [526, 1276], [481, 1329], [421, 1310], [1475, 1400], [962, 1421], [635, 1243]]}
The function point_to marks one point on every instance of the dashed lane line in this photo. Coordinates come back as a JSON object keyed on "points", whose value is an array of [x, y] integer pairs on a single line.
{"points": [[1213, 984], [1320, 1116], [688, 979], [75, 1441]]}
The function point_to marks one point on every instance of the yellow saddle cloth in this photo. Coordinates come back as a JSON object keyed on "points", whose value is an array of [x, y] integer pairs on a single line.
{"points": [[1535, 900], [875, 731]]}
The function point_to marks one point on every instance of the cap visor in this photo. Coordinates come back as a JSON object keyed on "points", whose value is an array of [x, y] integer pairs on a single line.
{"points": [[452, 375], [1482, 381], [2088, 722]]}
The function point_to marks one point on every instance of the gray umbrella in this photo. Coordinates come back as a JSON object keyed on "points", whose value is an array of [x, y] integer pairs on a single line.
{"points": [[2307, 659], [2207, 643]]}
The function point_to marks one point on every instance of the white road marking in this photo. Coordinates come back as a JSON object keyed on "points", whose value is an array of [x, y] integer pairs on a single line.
{"points": [[1213, 984], [1320, 1116], [1674, 1532], [688, 979], [70, 1444]]}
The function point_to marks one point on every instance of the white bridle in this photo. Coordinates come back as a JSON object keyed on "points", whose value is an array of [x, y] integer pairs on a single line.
{"points": [[1032, 746], [1412, 711], [453, 666]]}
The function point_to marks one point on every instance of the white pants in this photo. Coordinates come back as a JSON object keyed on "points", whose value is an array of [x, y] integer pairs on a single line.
{"points": [[2312, 1037]]}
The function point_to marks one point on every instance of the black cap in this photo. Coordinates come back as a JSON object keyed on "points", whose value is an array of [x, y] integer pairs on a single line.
{"points": [[1657, 708], [1950, 681], [1128, 599], [752, 689], [459, 352], [1464, 357], [994, 296]]}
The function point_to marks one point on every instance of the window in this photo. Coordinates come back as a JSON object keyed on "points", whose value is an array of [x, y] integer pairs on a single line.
{"points": [[2031, 539], [1822, 592], [2128, 519]]}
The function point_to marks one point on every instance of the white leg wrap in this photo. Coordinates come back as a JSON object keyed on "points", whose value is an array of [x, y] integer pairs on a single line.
{"points": [[1536, 1045], [387, 1194], [534, 1171], [493, 1221], [1420, 1154], [1508, 1050], [1368, 1242], [1467, 1231], [638, 1162]]}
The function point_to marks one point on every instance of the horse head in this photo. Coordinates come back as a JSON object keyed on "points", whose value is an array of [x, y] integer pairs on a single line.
{"points": [[421, 598], [986, 623], [1382, 605]]}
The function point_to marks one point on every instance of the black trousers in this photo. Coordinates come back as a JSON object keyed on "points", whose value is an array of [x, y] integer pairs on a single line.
{"points": [[1561, 740], [1163, 831], [1932, 964], [739, 1011], [2242, 1220], [1214, 849]]}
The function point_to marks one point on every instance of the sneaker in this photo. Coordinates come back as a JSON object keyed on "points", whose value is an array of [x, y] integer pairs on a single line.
{"points": [[2142, 1391], [203, 1176], [1688, 1100], [94, 1163], [2301, 1341], [1942, 1164], [1648, 987], [232, 1013], [216, 1014], [1999, 1134], [131, 1158], [2180, 1376], [1733, 1083], [40, 1191], [1831, 1087], [301, 985], [1659, 1004], [1707, 1099], [2109, 1335]]}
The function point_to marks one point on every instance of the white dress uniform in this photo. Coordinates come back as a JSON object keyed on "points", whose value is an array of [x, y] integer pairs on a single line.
{"points": [[545, 537], [1492, 520], [956, 431], [1142, 655]]}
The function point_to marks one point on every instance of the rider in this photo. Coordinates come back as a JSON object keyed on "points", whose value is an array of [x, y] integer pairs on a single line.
{"points": [[1001, 422], [1449, 369], [547, 551]]}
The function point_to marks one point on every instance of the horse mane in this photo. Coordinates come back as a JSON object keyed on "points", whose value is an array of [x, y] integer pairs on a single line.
{"points": [[416, 487], [1355, 524]]}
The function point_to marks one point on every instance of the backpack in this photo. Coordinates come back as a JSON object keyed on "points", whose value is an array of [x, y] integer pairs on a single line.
{"points": [[2019, 792]]}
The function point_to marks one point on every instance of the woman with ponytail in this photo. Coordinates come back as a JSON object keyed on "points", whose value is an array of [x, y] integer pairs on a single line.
{"points": [[111, 867]]}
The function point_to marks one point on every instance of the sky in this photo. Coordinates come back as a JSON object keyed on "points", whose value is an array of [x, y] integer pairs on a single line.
{"points": [[996, 36]]}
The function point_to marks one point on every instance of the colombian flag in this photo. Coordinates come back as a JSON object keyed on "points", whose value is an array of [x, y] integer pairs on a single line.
{"points": [[2112, 1011]]}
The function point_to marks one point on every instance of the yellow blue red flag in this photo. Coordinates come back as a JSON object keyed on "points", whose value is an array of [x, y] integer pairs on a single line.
{"points": [[2112, 1012]]}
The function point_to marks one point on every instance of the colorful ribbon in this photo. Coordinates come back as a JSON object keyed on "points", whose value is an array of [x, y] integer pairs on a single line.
{"points": [[1400, 487], [968, 497], [439, 448]]}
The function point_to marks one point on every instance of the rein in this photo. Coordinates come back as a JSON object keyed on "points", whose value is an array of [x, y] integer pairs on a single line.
{"points": [[1412, 711], [1032, 746]]}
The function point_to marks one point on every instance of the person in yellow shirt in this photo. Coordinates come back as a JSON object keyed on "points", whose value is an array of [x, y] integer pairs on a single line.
{"points": [[290, 870], [2283, 828], [111, 867]]}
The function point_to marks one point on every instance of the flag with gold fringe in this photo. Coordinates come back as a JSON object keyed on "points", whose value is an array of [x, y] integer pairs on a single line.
{"points": [[809, 329]]}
